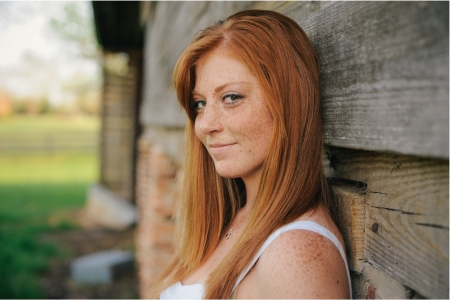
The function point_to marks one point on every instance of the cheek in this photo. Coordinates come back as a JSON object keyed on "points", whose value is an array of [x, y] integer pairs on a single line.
{"points": [[257, 133], [262, 126], [263, 137]]}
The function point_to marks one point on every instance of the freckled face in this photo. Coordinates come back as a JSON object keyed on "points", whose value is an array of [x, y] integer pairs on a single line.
{"points": [[233, 120]]}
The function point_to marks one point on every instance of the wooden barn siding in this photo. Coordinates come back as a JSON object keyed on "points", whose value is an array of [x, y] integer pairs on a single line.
{"points": [[384, 72], [118, 134], [403, 201]]}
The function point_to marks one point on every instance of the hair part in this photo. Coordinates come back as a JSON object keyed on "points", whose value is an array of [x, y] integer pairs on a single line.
{"points": [[293, 183]]}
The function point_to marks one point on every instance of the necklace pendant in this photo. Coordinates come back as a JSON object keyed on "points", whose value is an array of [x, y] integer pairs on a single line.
{"points": [[228, 234]]}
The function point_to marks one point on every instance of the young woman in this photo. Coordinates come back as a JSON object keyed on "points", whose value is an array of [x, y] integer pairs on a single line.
{"points": [[255, 218]]}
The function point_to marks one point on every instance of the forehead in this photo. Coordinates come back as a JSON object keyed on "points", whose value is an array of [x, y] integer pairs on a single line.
{"points": [[220, 66]]}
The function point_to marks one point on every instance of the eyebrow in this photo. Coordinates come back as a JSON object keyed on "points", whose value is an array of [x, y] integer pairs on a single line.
{"points": [[221, 87]]}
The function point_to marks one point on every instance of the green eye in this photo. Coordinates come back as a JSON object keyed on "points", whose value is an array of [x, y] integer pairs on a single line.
{"points": [[231, 98], [199, 104]]}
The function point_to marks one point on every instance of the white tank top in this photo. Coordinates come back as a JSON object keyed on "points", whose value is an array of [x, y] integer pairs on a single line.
{"points": [[196, 291]]}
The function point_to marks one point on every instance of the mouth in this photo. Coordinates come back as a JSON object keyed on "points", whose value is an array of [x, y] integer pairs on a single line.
{"points": [[219, 148]]}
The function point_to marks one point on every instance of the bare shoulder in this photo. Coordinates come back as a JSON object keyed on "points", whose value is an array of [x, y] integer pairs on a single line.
{"points": [[301, 264]]}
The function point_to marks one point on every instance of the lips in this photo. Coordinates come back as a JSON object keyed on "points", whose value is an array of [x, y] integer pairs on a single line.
{"points": [[216, 149]]}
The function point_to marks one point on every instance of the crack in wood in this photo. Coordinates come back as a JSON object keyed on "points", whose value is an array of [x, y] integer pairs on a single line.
{"points": [[359, 185], [432, 225], [381, 193], [397, 210]]}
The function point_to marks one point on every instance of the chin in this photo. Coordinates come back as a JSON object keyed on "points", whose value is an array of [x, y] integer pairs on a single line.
{"points": [[235, 170], [226, 171], [227, 174]]}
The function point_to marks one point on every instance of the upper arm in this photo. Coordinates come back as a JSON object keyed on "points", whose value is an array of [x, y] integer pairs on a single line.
{"points": [[301, 264]]}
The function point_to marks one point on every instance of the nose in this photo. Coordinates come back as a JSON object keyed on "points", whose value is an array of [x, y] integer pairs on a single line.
{"points": [[209, 121]]}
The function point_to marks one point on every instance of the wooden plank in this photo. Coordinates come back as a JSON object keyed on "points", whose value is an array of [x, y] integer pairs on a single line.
{"points": [[349, 201], [296, 10], [385, 82], [404, 182], [409, 250], [407, 199]]}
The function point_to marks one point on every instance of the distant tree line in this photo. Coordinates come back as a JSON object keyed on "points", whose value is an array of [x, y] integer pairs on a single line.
{"points": [[88, 105]]}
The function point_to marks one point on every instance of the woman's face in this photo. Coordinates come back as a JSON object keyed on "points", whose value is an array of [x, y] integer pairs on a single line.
{"points": [[233, 120]]}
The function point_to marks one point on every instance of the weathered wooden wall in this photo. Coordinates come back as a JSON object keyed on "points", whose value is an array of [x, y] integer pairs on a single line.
{"points": [[394, 214], [384, 81], [384, 72], [121, 93]]}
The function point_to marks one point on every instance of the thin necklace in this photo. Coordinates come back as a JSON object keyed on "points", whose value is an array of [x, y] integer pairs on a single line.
{"points": [[238, 225], [228, 234]]}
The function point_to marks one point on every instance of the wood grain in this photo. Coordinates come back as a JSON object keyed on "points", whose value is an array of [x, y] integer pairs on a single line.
{"points": [[385, 82], [402, 182], [408, 249], [407, 197], [349, 201]]}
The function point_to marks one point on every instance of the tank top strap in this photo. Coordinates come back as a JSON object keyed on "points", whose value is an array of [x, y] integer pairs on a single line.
{"points": [[305, 225]]}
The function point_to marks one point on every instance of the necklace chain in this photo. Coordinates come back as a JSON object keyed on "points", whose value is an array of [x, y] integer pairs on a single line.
{"points": [[238, 225]]}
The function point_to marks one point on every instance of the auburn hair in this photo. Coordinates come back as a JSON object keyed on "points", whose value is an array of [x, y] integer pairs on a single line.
{"points": [[283, 59]]}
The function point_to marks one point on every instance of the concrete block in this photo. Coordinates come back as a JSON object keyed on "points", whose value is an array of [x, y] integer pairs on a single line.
{"points": [[108, 210], [101, 267]]}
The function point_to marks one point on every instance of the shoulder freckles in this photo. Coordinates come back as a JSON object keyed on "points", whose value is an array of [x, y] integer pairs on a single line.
{"points": [[297, 247], [299, 263]]}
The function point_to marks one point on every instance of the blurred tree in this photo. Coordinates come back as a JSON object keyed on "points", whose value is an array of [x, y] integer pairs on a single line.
{"points": [[77, 28], [18, 107], [44, 106], [86, 91]]}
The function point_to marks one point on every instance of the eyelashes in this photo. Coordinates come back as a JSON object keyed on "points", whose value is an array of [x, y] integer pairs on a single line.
{"points": [[227, 99], [232, 98], [198, 104]]}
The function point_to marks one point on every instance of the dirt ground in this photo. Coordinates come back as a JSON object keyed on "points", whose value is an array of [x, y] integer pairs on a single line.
{"points": [[57, 282]]}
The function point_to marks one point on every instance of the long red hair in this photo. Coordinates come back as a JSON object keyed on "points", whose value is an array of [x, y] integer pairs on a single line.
{"points": [[282, 57]]}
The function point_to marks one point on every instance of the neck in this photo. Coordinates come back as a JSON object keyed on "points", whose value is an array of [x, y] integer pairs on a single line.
{"points": [[251, 189]]}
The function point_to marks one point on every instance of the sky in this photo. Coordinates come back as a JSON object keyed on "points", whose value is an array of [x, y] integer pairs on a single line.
{"points": [[19, 35], [34, 61]]}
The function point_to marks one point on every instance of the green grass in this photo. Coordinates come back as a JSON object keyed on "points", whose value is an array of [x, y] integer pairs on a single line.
{"points": [[22, 258], [57, 168], [32, 188], [48, 135]]}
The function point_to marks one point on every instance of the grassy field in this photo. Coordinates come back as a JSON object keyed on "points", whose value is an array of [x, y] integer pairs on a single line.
{"points": [[47, 134], [35, 185]]}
